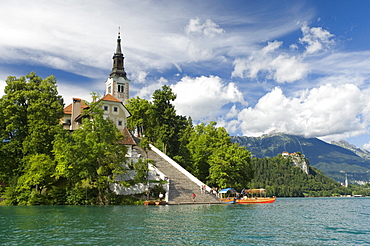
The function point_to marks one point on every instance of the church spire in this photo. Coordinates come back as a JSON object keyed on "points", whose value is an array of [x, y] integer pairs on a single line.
{"points": [[118, 60], [117, 84]]}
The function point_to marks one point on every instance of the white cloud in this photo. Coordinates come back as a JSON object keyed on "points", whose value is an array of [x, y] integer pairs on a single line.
{"points": [[139, 77], [366, 146], [324, 111], [316, 39], [207, 29], [281, 67], [203, 97], [74, 91], [288, 68], [146, 92], [202, 38], [293, 47]]}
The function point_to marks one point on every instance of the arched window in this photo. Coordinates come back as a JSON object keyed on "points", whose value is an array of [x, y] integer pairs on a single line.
{"points": [[121, 88]]}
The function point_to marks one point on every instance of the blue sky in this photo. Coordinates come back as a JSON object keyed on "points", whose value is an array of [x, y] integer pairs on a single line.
{"points": [[299, 67]]}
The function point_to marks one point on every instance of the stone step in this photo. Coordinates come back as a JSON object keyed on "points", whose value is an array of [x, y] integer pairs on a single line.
{"points": [[181, 187]]}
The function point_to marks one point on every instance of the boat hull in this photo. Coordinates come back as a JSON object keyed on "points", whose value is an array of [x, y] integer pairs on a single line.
{"points": [[155, 203], [256, 200], [228, 200]]}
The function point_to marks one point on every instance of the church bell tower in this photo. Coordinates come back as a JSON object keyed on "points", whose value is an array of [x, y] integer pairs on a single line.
{"points": [[117, 84]]}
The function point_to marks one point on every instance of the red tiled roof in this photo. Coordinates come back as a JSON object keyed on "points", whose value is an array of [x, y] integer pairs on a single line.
{"points": [[68, 109], [129, 140], [109, 97]]}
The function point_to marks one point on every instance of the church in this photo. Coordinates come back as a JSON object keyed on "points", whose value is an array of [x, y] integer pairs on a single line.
{"points": [[113, 103]]}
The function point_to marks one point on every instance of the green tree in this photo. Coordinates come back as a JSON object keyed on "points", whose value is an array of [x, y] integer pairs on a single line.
{"points": [[90, 157], [280, 177], [38, 172], [142, 113], [230, 167], [183, 156], [204, 140], [30, 111], [159, 123], [168, 125]]}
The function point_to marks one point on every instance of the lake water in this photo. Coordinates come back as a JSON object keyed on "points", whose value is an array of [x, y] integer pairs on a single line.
{"points": [[288, 221]]}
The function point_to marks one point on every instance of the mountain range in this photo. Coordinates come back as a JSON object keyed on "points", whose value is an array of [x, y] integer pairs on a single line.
{"points": [[335, 159]]}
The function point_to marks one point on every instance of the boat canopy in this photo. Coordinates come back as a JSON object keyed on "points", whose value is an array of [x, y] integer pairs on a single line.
{"points": [[250, 191], [231, 190]]}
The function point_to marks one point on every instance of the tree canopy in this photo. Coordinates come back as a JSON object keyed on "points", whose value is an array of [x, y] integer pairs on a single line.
{"points": [[90, 158], [41, 163], [281, 178], [30, 111]]}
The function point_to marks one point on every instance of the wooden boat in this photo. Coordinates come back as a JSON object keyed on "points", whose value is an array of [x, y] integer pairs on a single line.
{"points": [[227, 195], [155, 203], [254, 196]]}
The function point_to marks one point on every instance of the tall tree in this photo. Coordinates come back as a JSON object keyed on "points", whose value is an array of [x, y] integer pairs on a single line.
{"points": [[230, 167], [142, 114], [30, 109], [204, 140], [168, 125], [158, 121]]}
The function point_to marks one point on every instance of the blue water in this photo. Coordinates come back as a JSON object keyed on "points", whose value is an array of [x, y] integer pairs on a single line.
{"points": [[288, 221]]}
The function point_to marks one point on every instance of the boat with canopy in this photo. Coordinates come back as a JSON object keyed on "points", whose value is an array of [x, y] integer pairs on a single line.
{"points": [[254, 196], [227, 195]]}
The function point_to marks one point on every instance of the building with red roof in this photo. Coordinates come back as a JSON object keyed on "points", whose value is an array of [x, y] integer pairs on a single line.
{"points": [[113, 103]]}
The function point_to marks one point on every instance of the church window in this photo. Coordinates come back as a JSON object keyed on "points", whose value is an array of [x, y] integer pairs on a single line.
{"points": [[115, 109], [105, 108], [120, 123], [120, 88], [109, 89]]}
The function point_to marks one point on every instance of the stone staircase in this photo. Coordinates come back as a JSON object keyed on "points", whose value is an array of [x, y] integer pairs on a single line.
{"points": [[181, 187]]}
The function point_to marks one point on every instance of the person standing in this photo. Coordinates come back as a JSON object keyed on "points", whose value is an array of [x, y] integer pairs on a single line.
{"points": [[193, 196], [160, 196]]}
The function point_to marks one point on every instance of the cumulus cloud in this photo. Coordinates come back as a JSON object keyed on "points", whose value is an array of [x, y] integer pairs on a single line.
{"points": [[146, 92], [281, 67], [322, 111], [203, 97], [316, 39]]}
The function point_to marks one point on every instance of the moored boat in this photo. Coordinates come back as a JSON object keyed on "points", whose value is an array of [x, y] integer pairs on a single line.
{"points": [[155, 203], [227, 195], [255, 196]]}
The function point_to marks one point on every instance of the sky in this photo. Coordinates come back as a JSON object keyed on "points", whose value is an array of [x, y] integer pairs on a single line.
{"points": [[254, 67]]}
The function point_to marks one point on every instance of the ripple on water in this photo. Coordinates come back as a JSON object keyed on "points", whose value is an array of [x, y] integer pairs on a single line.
{"points": [[288, 221]]}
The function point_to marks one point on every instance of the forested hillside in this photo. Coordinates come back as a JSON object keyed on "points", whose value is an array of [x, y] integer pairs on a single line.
{"points": [[334, 161], [281, 178]]}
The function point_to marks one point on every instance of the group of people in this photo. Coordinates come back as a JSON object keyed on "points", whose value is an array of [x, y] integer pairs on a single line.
{"points": [[203, 189]]}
